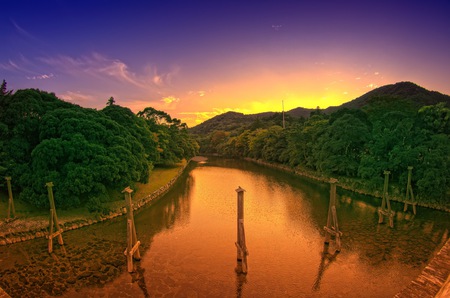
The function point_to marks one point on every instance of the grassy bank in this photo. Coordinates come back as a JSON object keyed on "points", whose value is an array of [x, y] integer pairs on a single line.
{"points": [[352, 184], [30, 220]]}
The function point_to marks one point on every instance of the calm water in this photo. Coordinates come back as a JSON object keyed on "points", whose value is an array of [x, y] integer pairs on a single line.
{"points": [[188, 244]]}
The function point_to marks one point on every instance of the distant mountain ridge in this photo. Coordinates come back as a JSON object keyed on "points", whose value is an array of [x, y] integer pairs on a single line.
{"points": [[402, 90]]}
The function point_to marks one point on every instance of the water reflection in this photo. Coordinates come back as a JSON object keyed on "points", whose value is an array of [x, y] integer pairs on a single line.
{"points": [[241, 280], [139, 278], [188, 244], [325, 261]]}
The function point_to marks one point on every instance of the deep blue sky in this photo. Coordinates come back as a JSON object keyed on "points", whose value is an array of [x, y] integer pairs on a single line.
{"points": [[195, 59]]}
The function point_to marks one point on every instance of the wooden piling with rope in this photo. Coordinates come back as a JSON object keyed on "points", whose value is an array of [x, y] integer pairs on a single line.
{"points": [[132, 250], [332, 227], [53, 222]]}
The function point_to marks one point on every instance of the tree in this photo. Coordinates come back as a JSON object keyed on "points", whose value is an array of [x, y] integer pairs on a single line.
{"points": [[110, 101], [174, 142], [338, 150], [4, 90]]}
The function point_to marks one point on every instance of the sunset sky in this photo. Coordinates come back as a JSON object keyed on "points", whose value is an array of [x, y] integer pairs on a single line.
{"points": [[198, 59]]}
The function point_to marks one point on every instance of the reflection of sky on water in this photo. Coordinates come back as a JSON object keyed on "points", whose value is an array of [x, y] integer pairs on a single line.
{"points": [[284, 222], [188, 240]]}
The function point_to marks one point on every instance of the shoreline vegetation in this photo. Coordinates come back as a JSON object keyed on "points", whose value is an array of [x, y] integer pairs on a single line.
{"points": [[160, 181], [30, 225], [348, 184], [401, 128]]}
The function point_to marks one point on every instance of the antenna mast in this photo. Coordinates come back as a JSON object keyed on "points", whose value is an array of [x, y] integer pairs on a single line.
{"points": [[282, 103]]}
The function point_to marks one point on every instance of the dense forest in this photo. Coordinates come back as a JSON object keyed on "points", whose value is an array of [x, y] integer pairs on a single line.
{"points": [[389, 132], [86, 153], [89, 153]]}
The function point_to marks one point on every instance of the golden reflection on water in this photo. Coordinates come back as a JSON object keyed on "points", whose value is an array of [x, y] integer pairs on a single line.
{"points": [[188, 241], [283, 225]]}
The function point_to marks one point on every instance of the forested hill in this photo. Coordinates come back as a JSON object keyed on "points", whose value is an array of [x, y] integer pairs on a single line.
{"points": [[228, 121], [390, 128], [403, 91], [86, 153], [408, 91]]}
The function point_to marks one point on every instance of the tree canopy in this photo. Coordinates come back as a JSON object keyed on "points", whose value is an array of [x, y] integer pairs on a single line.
{"points": [[84, 152], [387, 134]]}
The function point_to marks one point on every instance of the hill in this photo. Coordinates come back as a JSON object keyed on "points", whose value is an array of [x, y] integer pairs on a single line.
{"points": [[402, 90], [408, 91], [228, 121]]}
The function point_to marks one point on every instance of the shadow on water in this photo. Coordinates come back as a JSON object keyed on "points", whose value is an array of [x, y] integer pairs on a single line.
{"points": [[139, 277], [241, 280], [91, 257], [325, 261]]}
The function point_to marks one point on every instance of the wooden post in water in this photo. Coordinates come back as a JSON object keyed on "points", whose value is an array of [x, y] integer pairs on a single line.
{"points": [[241, 246], [132, 250], [409, 192], [332, 227], [382, 211], [11, 210], [53, 220]]}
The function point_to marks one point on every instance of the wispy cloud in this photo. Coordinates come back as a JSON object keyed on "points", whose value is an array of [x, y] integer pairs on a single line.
{"points": [[41, 77], [15, 67], [22, 32], [193, 118], [170, 102], [100, 66], [200, 93], [170, 99], [77, 98]]}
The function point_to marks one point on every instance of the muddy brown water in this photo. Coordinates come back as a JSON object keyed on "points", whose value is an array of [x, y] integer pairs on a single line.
{"points": [[188, 244]]}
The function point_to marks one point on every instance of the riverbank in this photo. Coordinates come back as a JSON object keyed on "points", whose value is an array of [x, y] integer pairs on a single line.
{"points": [[93, 270], [434, 281], [344, 183], [27, 226]]}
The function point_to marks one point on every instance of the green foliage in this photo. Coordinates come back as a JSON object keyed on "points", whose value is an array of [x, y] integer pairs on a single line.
{"points": [[389, 133], [174, 141], [84, 152], [338, 150]]}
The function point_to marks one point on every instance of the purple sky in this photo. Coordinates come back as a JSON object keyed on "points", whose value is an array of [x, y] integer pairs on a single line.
{"points": [[197, 59]]}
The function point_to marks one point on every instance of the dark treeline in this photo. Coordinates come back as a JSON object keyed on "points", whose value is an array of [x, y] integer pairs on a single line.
{"points": [[87, 153], [355, 145]]}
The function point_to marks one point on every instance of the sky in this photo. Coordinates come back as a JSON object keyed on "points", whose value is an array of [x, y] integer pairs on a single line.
{"points": [[198, 59]]}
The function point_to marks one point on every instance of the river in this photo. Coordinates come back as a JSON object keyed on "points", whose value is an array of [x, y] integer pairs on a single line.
{"points": [[188, 245]]}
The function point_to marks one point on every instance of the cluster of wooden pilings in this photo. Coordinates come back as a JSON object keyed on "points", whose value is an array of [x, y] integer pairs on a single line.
{"points": [[385, 210], [132, 249], [332, 227]]}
